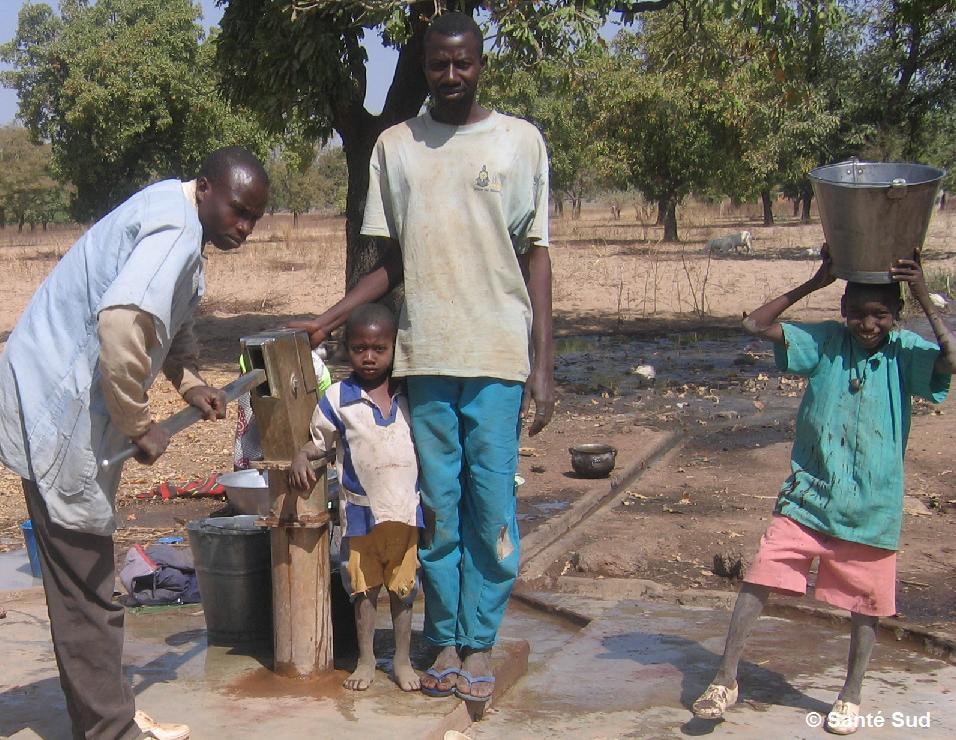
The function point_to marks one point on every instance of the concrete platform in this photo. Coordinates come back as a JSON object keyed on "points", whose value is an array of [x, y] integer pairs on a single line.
{"points": [[221, 691], [634, 670], [15, 571]]}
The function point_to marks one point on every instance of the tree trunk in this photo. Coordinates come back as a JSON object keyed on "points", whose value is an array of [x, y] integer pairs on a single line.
{"points": [[359, 129], [806, 195], [670, 219], [661, 213], [362, 252], [575, 208], [295, 220], [767, 199], [796, 206], [558, 206]]}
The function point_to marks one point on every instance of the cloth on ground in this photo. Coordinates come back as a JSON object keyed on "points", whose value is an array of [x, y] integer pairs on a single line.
{"points": [[201, 487], [160, 574]]}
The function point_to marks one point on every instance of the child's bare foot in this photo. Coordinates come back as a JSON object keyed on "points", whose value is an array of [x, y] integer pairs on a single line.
{"points": [[405, 676], [361, 677], [439, 679]]}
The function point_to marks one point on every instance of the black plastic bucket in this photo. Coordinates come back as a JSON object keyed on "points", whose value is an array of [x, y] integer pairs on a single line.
{"points": [[233, 559]]}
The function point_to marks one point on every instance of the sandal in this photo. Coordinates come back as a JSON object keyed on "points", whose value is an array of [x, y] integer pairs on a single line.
{"points": [[843, 719], [439, 677], [472, 680], [714, 701]]}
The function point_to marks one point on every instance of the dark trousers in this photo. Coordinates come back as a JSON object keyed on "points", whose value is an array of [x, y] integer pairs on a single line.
{"points": [[87, 627]]}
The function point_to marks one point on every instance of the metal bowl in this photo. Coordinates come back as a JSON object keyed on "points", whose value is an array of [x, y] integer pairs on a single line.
{"points": [[592, 460], [247, 491]]}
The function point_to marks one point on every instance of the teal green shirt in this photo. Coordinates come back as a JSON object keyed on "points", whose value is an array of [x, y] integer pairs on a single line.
{"points": [[846, 475]]}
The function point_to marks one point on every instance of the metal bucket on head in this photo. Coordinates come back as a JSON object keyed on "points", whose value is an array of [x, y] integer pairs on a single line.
{"points": [[874, 213]]}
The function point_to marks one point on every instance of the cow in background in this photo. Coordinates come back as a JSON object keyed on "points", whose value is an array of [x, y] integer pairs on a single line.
{"points": [[736, 243]]}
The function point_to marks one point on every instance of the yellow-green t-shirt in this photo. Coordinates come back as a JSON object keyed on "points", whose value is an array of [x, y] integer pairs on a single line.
{"points": [[463, 202]]}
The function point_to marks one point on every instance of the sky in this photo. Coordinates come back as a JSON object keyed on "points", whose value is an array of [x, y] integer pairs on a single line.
{"points": [[381, 60]]}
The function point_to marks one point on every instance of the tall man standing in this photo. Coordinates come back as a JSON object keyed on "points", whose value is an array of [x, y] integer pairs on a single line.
{"points": [[461, 193], [113, 313]]}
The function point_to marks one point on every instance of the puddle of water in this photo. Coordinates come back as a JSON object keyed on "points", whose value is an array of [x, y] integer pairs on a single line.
{"points": [[542, 509], [712, 374], [15, 571], [551, 507], [715, 358]]}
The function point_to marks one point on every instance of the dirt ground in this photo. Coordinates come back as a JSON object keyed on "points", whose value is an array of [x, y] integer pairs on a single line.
{"points": [[621, 299]]}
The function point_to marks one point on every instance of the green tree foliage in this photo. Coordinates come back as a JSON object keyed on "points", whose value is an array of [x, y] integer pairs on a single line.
{"points": [[300, 63], [824, 57], [781, 122], [125, 91], [302, 185], [907, 73], [28, 192], [941, 143], [555, 97], [884, 70], [697, 101], [332, 180], [665, 132]]}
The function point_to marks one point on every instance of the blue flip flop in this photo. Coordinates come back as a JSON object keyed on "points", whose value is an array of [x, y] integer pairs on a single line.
{"points": [[472, 680], [440, 676]]}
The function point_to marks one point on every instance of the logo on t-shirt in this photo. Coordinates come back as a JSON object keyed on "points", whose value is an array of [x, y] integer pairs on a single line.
{"points": [[484, 181]]}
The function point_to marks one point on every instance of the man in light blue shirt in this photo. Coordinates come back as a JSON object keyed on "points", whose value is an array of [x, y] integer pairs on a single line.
{"points": [[115, 311]]}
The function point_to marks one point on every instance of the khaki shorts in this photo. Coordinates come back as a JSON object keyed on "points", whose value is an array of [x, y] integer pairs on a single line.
{"points": [[386, 556]]}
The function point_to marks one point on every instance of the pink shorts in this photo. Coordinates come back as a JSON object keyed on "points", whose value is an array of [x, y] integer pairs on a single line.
{"points": [[852, 576]]}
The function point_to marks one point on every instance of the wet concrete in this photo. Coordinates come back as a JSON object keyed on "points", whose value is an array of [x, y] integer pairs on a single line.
{"points": [[222, 691], [631, 672], [15, 571], [637, 667]]}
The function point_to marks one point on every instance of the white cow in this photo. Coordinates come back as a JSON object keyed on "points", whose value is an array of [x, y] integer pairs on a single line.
{"points": [[736, 242]]}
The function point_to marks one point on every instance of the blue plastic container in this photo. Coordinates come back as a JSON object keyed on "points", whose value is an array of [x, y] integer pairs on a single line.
{"points": [[31, 542]]}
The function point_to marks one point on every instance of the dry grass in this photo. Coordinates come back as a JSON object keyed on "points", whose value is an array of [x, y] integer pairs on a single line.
{"points": [[618, 269], [281, 270], [623, 269]]}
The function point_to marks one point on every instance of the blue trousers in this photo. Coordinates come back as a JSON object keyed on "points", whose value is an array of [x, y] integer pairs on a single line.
{"points": [[466, 435]]}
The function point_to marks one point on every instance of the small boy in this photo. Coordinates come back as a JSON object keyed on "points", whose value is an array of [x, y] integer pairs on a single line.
{"points": [[365, 418], [843, 501]]}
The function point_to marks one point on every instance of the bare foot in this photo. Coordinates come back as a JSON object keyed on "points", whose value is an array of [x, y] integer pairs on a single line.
{"points": [[405, 676], [477, 663], [361, 677], [446, 659]]}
